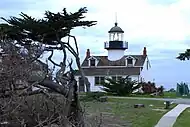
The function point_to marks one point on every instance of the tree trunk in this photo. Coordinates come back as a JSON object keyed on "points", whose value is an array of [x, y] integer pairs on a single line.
{"points": [[73, 110], [76, 115], [85, 79]]}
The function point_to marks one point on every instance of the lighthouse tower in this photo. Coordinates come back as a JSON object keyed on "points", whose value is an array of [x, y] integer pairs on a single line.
{"points": [[116, 46]]}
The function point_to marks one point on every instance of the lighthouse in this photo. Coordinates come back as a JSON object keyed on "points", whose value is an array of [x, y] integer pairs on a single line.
{"points": [[115, 46]]}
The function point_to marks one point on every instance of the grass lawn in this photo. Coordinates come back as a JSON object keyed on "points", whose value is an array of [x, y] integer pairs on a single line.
{"points": [[184, 119], [121, 113], [166, 95]]}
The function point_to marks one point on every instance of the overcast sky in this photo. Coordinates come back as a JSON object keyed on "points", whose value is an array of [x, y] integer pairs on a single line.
{"points": [[163, 26]]}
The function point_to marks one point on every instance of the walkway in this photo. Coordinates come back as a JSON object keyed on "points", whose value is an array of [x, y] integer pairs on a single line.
{"points": [[169, 118]]}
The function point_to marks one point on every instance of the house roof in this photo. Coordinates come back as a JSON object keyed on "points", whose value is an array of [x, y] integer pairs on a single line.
{"points": [[110, 71], [103, 61]]}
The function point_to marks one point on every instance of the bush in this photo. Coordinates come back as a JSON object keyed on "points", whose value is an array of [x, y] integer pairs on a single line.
{"points": [[90, 96], [182, 89], [172, 90], [148, 87], [121, 87]]}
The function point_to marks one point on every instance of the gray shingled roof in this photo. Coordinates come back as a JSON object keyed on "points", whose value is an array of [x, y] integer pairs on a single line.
{"points": [[111, 71], [103, 61]]}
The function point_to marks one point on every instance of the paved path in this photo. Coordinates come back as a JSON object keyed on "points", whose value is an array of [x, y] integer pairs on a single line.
{"points": [[169, 118], [177, 100]]}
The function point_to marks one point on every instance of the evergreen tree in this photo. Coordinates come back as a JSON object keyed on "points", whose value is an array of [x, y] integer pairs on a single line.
{"points": [[120, 87], [185, 55]]}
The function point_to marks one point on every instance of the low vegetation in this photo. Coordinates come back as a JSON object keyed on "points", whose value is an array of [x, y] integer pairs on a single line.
{"points": [[150, 88], [183, 119], [182, 89], [126, 87], [121, 112], [121, 87], [90, 96], [165, 95]]}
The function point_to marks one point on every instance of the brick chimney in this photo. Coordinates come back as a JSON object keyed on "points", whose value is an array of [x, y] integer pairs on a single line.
{"points": [[88, 53], [144, 52]]}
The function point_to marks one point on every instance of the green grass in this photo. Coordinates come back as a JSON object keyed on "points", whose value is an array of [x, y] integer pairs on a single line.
{"points": [[184, 119], [166, 95], [170, 95], [126, 114]]}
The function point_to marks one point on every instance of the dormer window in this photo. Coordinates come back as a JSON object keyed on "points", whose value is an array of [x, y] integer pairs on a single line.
{"points": [[130, 61], [92, 62]]}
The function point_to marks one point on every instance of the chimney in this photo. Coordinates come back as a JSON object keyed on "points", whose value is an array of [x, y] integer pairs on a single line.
{"points": [[144, 52], [88, 53]]}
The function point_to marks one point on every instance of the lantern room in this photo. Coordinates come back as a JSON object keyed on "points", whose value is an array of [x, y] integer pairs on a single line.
{"points": [[116, 39], [116, 33]]}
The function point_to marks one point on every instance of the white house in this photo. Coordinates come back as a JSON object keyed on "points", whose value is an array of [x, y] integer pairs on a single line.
{"points": [[116, 64]]}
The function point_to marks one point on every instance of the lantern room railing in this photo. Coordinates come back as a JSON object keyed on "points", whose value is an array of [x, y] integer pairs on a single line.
{"points": [[116, 45]]}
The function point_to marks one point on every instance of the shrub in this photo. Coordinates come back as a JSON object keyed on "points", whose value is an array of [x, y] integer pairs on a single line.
{"points": [[90, 96], [148, 87], [160, 90], [120, 87], [182, 89], [172, 90]]}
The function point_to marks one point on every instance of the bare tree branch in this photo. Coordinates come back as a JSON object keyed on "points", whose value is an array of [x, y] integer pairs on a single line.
{"points": [[50, 59], [75, 43], [54, 86]]}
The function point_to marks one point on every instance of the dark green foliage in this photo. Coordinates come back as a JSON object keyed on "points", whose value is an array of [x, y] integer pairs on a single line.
{"points": [[185, 55], [172, 90], [160, 90], [182, 89], [90, 96], [47, 30], [121, 87]]}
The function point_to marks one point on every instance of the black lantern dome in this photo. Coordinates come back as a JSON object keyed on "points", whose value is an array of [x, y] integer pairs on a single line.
{"points": [[116, 29]]}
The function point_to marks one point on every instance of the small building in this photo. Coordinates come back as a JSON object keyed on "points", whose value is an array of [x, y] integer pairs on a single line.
{"points": [[116, 64]]}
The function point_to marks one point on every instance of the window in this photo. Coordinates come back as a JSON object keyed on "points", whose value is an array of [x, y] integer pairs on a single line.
{"points": [[96, 80], [99, 80], [129, 79], [129, 61], [119, 77], [92, 62], [115, 78], [102, 80]]}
